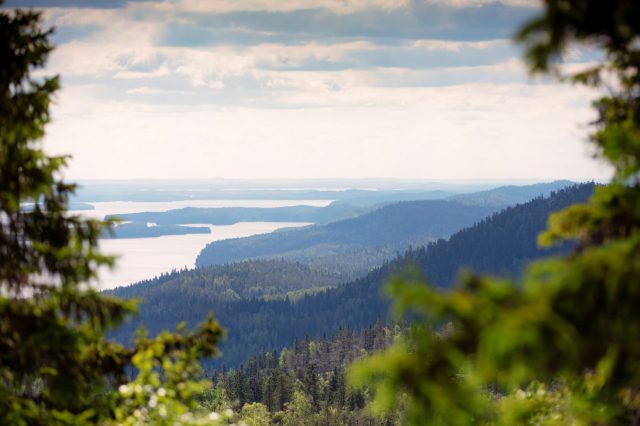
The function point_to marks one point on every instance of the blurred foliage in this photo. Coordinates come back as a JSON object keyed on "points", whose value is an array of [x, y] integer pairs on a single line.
{"points": [[561, 346], [165, 391], [56, 366]]}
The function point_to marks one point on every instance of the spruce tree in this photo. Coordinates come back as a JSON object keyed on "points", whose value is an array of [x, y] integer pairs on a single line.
{"points": [[56, 365]]}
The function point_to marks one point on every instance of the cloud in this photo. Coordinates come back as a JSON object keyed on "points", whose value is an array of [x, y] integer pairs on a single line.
{"points": [[88, 4], [415, 22], [334, 6], [225, 6], [262, 88], [462, 131]]}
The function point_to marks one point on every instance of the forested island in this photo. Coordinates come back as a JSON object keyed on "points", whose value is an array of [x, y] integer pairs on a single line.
{"points": [[150, 230]]}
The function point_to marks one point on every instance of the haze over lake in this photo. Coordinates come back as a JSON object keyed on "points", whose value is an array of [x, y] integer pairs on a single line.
{"points": [[144, 258]]}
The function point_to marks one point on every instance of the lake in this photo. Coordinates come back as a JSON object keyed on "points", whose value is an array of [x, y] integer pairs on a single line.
{"points": [[144, 258]]}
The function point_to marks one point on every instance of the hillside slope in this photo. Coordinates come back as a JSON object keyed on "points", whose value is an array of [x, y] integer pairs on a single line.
{"points": [[252, 279], [357, 245], [511, 194], [387, 228]]}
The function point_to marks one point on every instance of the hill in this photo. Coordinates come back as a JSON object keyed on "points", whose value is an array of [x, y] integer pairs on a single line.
{"points": [[510, 194], [231, 215], [353, 246], [357, 245], [252, 279]]}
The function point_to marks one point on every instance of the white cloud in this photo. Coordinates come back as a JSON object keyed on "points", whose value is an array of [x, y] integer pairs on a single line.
{"points": [[65, 17], [318, 107], [477, 3], [464, 131], [335, 6], [456, 46], [225, 6], [158, 72]]}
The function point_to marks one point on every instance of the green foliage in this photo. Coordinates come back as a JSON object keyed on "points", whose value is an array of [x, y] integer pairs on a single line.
{"points": [[560, 346], [255, 414], [170, 397], [56, 366], [613, 26], [299, 411], [535, 405]]}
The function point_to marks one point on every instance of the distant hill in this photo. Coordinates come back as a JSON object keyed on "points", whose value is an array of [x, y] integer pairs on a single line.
{"points": [[349, 236], [510, 194], [231, 215], [262, 189], [502, 243], [501, 196], [379, 198], [357, 245], [353, 242]]}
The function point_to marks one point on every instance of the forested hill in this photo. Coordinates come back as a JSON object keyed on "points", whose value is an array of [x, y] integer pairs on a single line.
{"points": [[357, 245], [511, 194], [252, 279], [231, 215], [412, 223], [502, 243]]}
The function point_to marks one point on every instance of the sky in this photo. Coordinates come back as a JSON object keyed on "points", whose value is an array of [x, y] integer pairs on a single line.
{"points": [[256, 89]]}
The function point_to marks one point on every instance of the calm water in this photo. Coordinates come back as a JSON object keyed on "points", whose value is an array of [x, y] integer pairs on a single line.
{"points": [[143, 258]]}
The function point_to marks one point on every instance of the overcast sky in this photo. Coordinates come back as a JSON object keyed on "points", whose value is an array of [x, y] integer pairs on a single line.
{"points": [[429, 89]]}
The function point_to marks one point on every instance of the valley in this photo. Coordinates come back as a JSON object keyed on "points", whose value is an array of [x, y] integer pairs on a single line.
{"points": [[265, 304]]}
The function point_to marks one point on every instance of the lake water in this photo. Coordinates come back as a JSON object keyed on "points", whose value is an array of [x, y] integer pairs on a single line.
{"points": [[144, 258]]}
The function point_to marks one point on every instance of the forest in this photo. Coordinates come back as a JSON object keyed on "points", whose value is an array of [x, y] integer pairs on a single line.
{"points": [[252, 300], [306, 382]]}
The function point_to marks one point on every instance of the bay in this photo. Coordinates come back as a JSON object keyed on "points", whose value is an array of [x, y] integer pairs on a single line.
{"points": [[145, 258]]}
